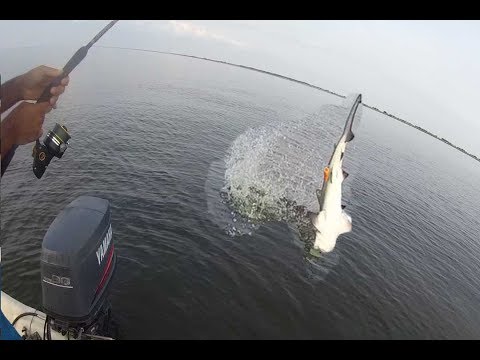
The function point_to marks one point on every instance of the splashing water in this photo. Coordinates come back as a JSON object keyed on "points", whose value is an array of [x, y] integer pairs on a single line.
{"points": [[271, 173]]}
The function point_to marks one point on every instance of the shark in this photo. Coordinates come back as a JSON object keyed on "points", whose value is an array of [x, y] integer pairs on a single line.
{"points": [[332, 220]]}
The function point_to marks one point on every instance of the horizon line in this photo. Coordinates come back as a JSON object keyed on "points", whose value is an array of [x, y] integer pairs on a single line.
{"points": [[299, 82]]}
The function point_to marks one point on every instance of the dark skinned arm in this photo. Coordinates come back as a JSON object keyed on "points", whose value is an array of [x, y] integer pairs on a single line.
{"points": [[10, 93]]}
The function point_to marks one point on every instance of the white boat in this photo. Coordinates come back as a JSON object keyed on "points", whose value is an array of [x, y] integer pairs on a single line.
{"points": [[26, 320]]}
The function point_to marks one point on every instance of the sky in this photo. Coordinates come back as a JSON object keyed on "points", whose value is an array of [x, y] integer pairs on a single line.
{"points": [[426, 72]]}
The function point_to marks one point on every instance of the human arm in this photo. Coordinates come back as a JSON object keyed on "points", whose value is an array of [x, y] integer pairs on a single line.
{"points": [[23, 125], [29, 86]]}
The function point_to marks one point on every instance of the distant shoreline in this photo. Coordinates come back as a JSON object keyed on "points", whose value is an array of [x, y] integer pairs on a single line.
{"points": [[302, 83], [423, 130]]}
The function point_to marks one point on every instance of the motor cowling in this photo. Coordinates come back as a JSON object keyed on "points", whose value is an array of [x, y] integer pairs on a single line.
{"points": [[77, 263]]}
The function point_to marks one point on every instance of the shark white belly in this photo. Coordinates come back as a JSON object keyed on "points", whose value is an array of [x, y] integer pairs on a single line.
{"points": [[332, 220]]}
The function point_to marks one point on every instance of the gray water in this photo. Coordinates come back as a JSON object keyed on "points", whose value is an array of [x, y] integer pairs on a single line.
{"points": [[150, 134]]}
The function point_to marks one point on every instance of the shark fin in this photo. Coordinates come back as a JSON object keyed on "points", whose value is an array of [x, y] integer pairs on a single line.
{"points": [[350, 136], [345, 174], [345, 223], [344, 206]]}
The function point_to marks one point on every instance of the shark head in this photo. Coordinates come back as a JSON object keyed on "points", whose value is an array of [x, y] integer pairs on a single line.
{"points": [[324, 242], [327, 229]]}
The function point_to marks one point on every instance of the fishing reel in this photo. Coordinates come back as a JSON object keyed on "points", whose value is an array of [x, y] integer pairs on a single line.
{"points": [[54, 144]]}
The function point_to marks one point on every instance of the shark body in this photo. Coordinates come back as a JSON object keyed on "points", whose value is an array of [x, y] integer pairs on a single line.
{"points": [[332, 220]]}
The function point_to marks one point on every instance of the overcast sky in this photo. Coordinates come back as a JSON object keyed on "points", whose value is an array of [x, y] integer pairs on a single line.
{"points": [[427, 72]]}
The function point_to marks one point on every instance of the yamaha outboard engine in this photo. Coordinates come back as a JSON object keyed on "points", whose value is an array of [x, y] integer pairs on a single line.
{"points": [[77, 265]]}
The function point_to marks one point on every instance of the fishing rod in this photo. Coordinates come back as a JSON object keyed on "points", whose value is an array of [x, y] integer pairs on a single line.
{"points": [[56, 141]]}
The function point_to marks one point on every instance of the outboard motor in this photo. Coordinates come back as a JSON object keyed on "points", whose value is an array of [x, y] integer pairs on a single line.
{"points": [[77, 265]]}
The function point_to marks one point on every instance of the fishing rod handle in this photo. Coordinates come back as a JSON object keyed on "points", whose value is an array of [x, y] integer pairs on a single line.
{"points": [[71, 64]]}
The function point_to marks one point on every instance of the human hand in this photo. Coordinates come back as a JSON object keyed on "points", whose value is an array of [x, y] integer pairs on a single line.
{"points": [[34, 82], [25, 122]]}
